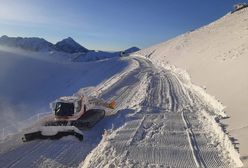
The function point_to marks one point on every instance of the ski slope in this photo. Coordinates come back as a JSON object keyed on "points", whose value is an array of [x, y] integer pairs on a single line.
{"points": [[159, 121], [215, 56], [15, 153], [167, 129]]}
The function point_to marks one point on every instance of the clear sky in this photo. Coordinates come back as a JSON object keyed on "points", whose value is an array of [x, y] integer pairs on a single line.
{"points": [[108, 24]]}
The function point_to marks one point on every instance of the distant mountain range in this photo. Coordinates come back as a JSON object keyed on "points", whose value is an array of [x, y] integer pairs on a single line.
{"points": [[67, 45]]}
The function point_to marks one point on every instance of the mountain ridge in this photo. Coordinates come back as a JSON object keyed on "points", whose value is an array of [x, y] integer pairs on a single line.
{"points": [[27, 43], [67, 45]]}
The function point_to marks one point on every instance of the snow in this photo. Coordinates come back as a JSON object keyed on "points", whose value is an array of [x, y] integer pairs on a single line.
{"points": [[146, 128], [57, 153], [164, 127], [216, 130], [215, 56], [29, 81], [171, 101], [94, 55]]}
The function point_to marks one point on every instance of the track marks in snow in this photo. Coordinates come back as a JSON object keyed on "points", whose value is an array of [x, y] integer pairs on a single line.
{"points": [[162, 129], [69, 152], [20, 153], [165, 131], [153, 143]]}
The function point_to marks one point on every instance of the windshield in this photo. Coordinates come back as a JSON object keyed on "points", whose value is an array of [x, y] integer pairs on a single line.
{"points": [[64, 109]]}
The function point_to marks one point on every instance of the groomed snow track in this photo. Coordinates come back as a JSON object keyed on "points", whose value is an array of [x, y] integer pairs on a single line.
{"points": [[160, 126], [165, 132]]}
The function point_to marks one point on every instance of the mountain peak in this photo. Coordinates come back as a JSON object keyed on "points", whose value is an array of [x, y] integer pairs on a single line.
{"points": [[69, 39], [70, 45]]}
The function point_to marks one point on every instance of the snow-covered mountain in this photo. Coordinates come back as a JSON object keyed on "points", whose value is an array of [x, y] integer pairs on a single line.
{"points": [[67, 45], [131, 50], [97, 55], [66, 49], [216, 57], [32, 44], [70, 46]]}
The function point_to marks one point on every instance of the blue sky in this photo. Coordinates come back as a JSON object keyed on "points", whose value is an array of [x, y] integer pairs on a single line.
{"points": [[108, 24]]}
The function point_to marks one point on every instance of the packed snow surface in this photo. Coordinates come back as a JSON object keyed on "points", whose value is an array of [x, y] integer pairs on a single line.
{"points": [[216, 58], [165, 127], [158, 122]]}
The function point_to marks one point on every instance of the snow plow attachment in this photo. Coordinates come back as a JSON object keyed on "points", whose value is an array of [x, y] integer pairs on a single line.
{"points": [[52, 132], [90, 118]]}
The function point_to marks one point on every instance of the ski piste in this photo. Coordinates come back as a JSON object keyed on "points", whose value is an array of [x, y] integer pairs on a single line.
{"points": [[158, 121]]}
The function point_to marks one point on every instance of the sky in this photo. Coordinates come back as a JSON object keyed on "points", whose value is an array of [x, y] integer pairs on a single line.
{"points": [[108, 24]]}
